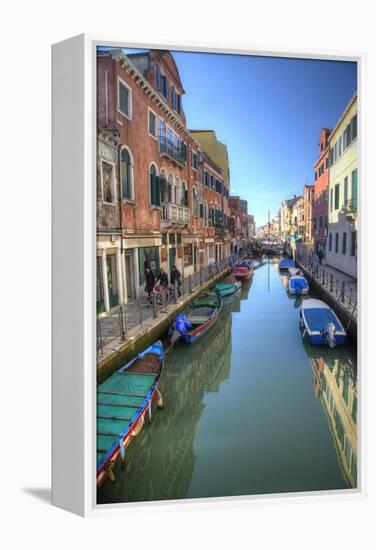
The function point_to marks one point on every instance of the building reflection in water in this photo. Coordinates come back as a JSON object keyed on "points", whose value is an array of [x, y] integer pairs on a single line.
{"points": [[335, 384], [161, 460]]}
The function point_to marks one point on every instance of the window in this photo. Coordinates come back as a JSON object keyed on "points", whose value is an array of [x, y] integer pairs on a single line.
{"points": [[155, 193], [164, 86], [195, 202], [108, 182], [184, 197], [161, 80], [126, 174], [194, 160], [331, 200], [344, 243], [353, 243], [327, 162], [152, 124], [354, 189], [336, 247], [175, 100], [330, 242], [124, 99], [336, 196], [315, 176], [212, 182], [188, 255], [345, 189]]}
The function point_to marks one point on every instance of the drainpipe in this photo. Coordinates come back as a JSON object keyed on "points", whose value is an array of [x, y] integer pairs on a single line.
{"points": [[120, 202], [106, 96]]}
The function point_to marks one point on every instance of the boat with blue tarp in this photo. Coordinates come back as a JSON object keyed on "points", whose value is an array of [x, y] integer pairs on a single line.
{"points": [[297, 284], [321, 324], [285, 263], [199, 317]]}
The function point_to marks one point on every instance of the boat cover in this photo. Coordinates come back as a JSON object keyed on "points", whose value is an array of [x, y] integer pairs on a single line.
{"points": [[287, 263], [298, 284], [318, 318], [123, 407]]}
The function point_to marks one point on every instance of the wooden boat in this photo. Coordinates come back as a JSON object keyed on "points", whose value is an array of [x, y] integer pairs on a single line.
{"points": [[242, 271], [321, 324], [286, 263], [123, 401], [200, 317], [297, 284], [227, 288]]}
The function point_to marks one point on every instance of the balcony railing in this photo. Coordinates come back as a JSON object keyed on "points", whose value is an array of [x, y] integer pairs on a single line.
{"points": [[174, 213], [171, 150], [350, 207]]}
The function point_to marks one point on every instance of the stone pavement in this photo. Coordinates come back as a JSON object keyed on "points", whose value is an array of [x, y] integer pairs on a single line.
{"points": [[340, 286]]}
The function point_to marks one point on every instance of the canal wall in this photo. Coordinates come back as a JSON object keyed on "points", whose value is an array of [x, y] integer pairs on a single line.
{"points": [[146, 335]]}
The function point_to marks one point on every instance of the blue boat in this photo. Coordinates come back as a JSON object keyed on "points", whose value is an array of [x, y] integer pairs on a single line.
{"points": [[298, 285], [286, 263], [123, 401], [321, 324]]}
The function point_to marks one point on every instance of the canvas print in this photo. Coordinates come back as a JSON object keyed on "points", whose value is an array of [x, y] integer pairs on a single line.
{"points": [[227, 215]]}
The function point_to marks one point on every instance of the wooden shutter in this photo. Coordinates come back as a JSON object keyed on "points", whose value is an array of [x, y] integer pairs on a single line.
{"points": [[158, 77]]}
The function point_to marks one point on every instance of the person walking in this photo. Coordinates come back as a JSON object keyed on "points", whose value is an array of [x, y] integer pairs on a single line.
{"points": [[320, 255], [175, 278], [162, 278], [150, 281]]}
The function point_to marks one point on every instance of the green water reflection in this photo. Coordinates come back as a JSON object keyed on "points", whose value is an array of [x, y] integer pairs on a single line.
{"points": [[250, 409]]}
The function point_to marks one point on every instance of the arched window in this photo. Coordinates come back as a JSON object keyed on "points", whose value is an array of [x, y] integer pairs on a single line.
{"points": [[171, 188], [155, 192], [178, 191], [126, 174], [163, 185], [184, 197], [206, 213], [194, 202]]}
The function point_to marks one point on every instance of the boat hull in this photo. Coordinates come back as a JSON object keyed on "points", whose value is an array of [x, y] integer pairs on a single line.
{"points": [[192, 337], [242, 273], [231, 289]]}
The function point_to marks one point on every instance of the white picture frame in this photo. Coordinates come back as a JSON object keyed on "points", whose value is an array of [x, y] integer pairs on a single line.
{"points": [[73, 259]]}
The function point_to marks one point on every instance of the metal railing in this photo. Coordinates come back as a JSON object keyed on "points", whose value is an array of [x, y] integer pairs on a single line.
{"points": [[343, 291], [171, 149], [174, 213], [350, 206], [115, 329]]}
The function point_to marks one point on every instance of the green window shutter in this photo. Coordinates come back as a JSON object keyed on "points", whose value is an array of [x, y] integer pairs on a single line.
{"points": [[157, 191]]}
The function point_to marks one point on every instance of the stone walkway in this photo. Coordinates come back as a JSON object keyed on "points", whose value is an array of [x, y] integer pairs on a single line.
{"points": [[130, 321]]}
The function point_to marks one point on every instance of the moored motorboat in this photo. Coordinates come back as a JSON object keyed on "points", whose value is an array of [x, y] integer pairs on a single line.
{"points": [[321, 324], [123, 401], [286, 263], [294, 271], [198, 318], [227, 288], [297, 284]]}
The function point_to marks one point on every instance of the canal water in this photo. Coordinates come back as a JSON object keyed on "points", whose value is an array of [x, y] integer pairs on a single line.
{"points": [[250, 409]]}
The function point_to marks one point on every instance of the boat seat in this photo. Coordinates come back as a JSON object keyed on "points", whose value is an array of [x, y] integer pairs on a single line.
{"points": [[197, 319]]}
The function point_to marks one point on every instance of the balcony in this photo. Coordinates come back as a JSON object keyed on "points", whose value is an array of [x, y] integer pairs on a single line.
{"points": [[171, 150], [174, 214], [350, 208]]}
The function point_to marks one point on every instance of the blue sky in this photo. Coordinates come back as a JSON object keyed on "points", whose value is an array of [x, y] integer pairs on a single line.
{"points": [[269, 111]]}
